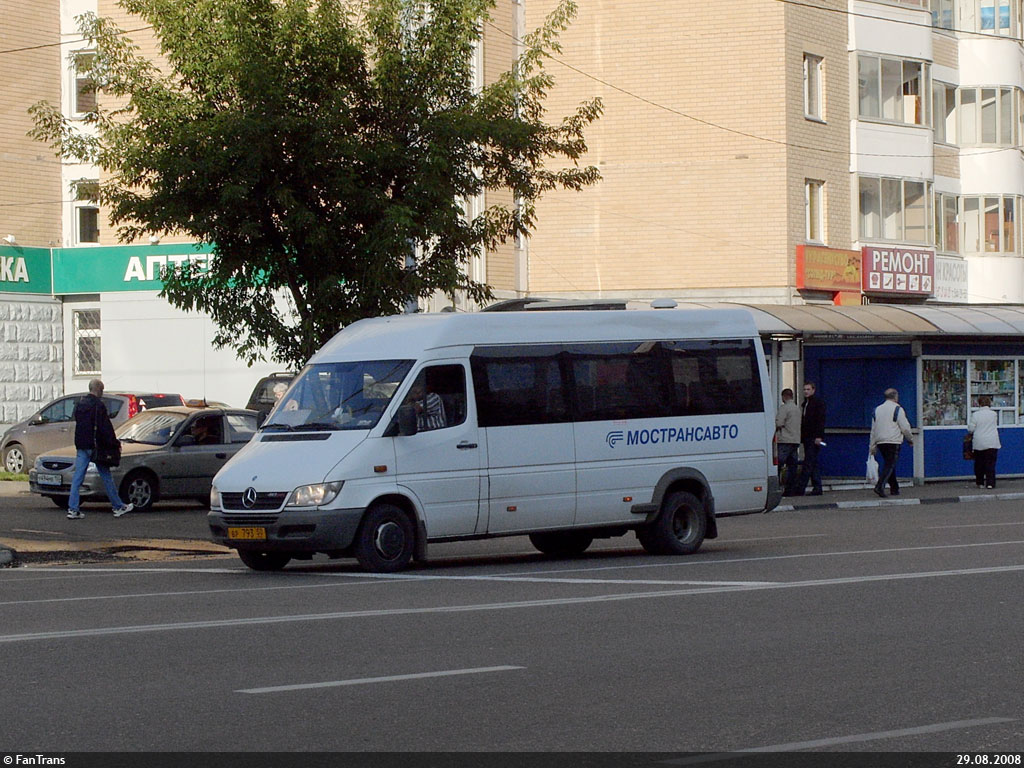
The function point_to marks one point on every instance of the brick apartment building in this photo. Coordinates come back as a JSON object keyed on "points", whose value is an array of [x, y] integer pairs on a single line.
{"points": [[760, 151]]}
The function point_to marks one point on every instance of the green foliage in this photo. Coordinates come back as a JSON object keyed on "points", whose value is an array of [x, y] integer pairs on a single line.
{"points": [[319, 144]]}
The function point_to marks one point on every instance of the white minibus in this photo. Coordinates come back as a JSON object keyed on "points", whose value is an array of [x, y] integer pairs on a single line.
{"points": [[563, 426]]}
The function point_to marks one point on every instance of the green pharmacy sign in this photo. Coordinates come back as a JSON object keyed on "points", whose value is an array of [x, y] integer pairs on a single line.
{"points": [[25, 270], [120, 268]]}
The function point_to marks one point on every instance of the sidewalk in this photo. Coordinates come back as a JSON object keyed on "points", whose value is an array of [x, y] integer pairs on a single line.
{"points": [[856, 495], [13, 487], [56, 546]]}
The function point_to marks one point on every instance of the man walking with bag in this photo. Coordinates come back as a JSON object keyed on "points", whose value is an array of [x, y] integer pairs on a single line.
{"points": [[94, 433], [889, 426]]}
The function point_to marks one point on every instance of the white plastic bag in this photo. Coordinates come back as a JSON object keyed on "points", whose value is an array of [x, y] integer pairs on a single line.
{"points": [[872, 467]]}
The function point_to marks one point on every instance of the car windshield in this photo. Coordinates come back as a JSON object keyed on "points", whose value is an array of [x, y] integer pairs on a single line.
{"points": [[329, 396], [154, 427]]}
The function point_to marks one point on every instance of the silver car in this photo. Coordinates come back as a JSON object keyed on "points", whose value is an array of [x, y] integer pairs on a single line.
{"points": [[53, 425], [166, 453]]}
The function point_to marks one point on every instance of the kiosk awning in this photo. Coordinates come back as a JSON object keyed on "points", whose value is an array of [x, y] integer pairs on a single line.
{"points": [[810, 320]]}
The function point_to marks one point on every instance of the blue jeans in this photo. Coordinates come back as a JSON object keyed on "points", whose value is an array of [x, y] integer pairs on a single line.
{"points": [[82, 459]]}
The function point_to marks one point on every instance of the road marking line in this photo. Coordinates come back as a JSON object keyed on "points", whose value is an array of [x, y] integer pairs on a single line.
{"points": [[188, 593], [371, 680], [853, 739], [452, 609], [971, 525], [719, 561], [550, 580]]}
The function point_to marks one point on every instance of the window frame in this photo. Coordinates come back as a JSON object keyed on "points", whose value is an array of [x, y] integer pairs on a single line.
{"points": [[814, 87], [974, 212], [83, 235], [892, 225], [814, 211], [79, 82], [900, 100], [971, 121], [79, 334]]}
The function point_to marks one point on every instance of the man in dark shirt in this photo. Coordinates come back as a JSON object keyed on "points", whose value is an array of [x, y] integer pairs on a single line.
{"points": [[812, 436], [93, 429]]}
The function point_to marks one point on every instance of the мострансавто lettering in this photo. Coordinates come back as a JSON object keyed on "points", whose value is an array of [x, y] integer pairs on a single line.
{"points": [[681, 434]]}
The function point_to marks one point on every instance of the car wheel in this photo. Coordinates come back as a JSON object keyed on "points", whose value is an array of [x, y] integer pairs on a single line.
{"points": [[385, 540], [561, 543], [264, 561], [60, 501], [140, 490], [14, 459], [678, 529]]}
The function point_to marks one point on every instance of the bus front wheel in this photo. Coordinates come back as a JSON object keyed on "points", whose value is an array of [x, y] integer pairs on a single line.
{"points": [[679, 527]]}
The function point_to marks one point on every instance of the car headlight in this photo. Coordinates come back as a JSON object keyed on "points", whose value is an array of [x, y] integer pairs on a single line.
{"points": [[314, 495], [214, 498]]}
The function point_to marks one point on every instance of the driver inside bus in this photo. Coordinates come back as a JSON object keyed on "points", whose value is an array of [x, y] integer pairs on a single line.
{"points": [[428, 406]]}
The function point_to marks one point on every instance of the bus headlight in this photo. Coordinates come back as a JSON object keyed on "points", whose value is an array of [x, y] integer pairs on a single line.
{"points": [[314, 495], [214, 498]]}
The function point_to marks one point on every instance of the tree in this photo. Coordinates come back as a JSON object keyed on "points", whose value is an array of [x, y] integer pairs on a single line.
{"points": [[318, 145]]}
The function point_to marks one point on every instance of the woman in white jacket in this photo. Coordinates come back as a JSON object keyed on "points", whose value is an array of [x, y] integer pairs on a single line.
{"points": [[986, 443]]}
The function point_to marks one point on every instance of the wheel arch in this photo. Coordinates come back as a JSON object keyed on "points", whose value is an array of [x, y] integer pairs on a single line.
{"points": [[692, 481], [409, 507]]}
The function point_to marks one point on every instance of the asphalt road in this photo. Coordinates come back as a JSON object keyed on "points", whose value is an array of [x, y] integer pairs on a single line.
{"points": [[891, 629]]}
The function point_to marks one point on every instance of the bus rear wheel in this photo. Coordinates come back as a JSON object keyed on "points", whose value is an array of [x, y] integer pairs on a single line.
{"points": [[561, 543], [679, 527]]}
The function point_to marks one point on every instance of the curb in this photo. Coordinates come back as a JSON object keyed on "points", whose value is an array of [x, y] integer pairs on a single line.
{"points": [[889, 502]]}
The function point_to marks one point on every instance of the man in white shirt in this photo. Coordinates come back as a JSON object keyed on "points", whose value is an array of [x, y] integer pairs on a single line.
{"points": [[985, 432], [889, 426]]}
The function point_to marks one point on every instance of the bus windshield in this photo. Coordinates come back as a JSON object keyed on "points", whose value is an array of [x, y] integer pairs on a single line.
{"points": [[336, 396]]}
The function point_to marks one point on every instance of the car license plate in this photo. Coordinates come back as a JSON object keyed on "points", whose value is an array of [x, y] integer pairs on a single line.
{"points": [[44, 479], [247, 533]]}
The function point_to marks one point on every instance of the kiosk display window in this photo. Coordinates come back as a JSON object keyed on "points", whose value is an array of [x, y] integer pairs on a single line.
{"points": [[944, 390], [998, 380]]}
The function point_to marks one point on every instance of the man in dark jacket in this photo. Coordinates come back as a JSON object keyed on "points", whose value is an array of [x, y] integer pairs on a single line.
{"points": [[93, 430], [812, 436]]}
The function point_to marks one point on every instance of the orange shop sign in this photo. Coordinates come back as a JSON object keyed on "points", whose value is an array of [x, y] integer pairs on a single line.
{"points": [[827, 269]]}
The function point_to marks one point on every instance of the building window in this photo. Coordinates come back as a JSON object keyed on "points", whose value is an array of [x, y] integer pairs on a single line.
{"points": [[814, 208], [813, 90], [84, 92], [992, 17], [899, 210], [943, 14], [944, 112], [86, 327], [991, 224], [947, 223], [87, 223], [895, 90], [989, 116]]}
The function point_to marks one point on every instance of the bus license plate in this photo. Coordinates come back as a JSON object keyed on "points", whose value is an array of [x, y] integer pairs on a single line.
{"points": [[247, 533], [44, 479]]}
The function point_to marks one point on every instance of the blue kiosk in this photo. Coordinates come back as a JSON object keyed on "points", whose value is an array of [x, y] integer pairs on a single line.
{"points": [[940, 358]]}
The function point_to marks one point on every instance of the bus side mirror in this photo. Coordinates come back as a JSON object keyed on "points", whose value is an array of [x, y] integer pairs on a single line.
{"points": [[407, 421]]}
